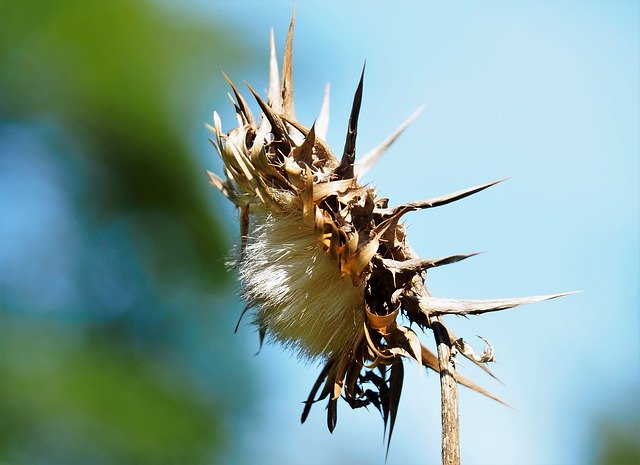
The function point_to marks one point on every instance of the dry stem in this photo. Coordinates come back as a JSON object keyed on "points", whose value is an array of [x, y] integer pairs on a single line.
{"points": [[448, 395]]}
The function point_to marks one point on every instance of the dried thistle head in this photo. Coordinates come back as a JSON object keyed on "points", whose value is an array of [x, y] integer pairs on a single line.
{"points": [[324, 262]]}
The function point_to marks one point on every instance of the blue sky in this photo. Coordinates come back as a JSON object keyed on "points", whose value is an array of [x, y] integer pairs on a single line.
{"points": [[545, 93]]}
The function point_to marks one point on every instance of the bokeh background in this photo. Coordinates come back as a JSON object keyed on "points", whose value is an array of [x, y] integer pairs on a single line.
{"points": [[117, 314]]}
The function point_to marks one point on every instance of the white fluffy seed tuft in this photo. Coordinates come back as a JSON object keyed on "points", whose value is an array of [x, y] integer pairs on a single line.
{"points": [[296, 288]]}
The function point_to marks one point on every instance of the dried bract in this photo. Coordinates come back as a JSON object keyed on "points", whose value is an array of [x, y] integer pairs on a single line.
{"points": [[324, 263]]}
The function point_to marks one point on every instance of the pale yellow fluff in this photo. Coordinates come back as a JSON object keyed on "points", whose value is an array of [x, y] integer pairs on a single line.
{"points": [[296, 287]]}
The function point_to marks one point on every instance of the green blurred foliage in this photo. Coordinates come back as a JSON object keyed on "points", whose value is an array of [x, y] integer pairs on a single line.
{"points": [[116, 74], [617, 434], [116, 85], [67, 399]]}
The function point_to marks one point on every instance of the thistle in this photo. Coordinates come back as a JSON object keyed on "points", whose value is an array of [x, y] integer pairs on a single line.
{"points": [[324, 263]]}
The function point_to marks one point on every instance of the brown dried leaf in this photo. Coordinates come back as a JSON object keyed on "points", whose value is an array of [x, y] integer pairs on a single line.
{"points": [[381, 322], [325, 189], [361, 259]]}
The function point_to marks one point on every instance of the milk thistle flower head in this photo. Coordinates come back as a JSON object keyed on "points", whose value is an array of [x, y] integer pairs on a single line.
{"points": [[324, 262]]}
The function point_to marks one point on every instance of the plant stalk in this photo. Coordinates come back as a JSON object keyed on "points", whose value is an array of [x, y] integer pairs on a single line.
{"points": [[448, 395]]}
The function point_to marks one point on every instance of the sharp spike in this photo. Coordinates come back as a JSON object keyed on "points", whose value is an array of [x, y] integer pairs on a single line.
{"points": [[332, 414], [374, 155], [311, 398], [440, 306], [439, 201], [264, 106], [420, 264], [224, 187], [474, 387], [244, 311], [322, 121], [242, 103], [287, 71], [435, 262], [345, 169], [304, 152], [430, 360], [273, 95], [395, 390], [262, 332], [277, 126], [323, 152]]}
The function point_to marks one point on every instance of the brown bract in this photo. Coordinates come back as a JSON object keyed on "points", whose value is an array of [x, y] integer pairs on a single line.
{"points": [[277, 168]]}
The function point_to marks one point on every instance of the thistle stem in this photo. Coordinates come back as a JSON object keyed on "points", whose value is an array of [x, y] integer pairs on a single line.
{"points": [[448, 395]]}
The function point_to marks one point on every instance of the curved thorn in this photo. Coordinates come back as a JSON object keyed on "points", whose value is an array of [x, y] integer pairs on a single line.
{"points": [[373, 364], [244, 311], [482, 366], [373, 347], [487, 355]]}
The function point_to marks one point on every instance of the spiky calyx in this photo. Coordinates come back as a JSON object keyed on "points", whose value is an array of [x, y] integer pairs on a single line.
{"points": [[323, 261]]}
